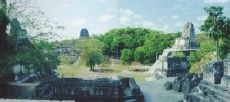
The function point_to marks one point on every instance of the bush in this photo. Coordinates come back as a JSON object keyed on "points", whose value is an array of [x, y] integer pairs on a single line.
{"points": [[179, 54], [139, 54], [126, 56]]}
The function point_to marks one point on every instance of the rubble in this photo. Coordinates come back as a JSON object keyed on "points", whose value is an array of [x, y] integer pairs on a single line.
{"points": [[215, 84]]}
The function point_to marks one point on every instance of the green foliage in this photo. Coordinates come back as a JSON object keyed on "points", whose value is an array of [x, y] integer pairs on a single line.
{"points": [[118, 39], [217, 27], [126, 56], [40, 56], [144, 43], [34, 55], [179, 54], [154, 45], [224, 47], [46, 55], [16, 31], [3, 10], [4, 50], [92, 52], [139, 54], [197, 58]]}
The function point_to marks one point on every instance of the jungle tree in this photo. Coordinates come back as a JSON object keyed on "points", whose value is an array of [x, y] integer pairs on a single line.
{"points": [[217, 27]]}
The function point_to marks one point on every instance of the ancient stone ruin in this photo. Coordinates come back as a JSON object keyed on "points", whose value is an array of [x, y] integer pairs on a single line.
{"points": [[184, 83], [210, 86], [187, 39], [176, 66], [99, 90], [84, 33], [213, 72], [170, 65], [215, 84]]}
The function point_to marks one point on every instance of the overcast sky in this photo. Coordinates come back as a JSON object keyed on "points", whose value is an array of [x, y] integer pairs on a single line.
{"points": [[99, 16]]}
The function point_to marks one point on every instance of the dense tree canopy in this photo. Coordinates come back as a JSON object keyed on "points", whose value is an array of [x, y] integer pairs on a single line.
{"points": [[144, 44]]}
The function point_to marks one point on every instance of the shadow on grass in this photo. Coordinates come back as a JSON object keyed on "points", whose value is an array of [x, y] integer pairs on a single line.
{"points": [[139, 70]]}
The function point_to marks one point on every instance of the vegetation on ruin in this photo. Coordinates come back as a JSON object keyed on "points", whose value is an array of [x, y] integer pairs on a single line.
{"points": [[204, 55], [216, 31], [179, 54]]}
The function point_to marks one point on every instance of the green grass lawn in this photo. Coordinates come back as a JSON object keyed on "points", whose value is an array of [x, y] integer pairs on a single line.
{"points": [[103, 70]]}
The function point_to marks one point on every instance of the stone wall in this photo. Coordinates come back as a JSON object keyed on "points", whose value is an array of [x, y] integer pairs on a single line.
{"points": [[184, 83], [215, 86], [176, 66], [209, 92], [102, 89]]}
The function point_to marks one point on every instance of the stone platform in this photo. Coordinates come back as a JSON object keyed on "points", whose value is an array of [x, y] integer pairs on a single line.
{"points": [[75, 89]]}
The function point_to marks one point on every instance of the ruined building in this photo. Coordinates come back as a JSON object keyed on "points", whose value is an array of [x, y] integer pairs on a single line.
{"points": [[187, 39], [170, 65], [99, 90], [84, 33], [215, 86]]}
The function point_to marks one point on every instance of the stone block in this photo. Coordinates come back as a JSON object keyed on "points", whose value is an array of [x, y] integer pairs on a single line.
{"points": [[177, 83], [168, 85], [186, 86], [195, 98], [213, 72]]}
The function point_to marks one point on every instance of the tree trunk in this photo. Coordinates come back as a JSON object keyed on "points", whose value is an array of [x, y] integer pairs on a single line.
{"points": [[91, 68], [3, 24], [217, 50], [3, 41]]}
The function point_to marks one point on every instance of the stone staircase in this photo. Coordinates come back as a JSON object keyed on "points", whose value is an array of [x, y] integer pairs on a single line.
{"points": [[182, 43], [158, 64]]}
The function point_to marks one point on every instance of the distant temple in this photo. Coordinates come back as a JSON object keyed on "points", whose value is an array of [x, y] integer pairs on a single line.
{"points": [[84, 33]]}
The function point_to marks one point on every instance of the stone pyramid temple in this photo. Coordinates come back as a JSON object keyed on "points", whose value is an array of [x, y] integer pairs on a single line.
{"points": [[167, 65]]}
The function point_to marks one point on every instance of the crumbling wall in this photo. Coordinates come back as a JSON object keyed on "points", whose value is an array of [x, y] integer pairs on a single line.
{"points": [[101, 90], [176, 66]]}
